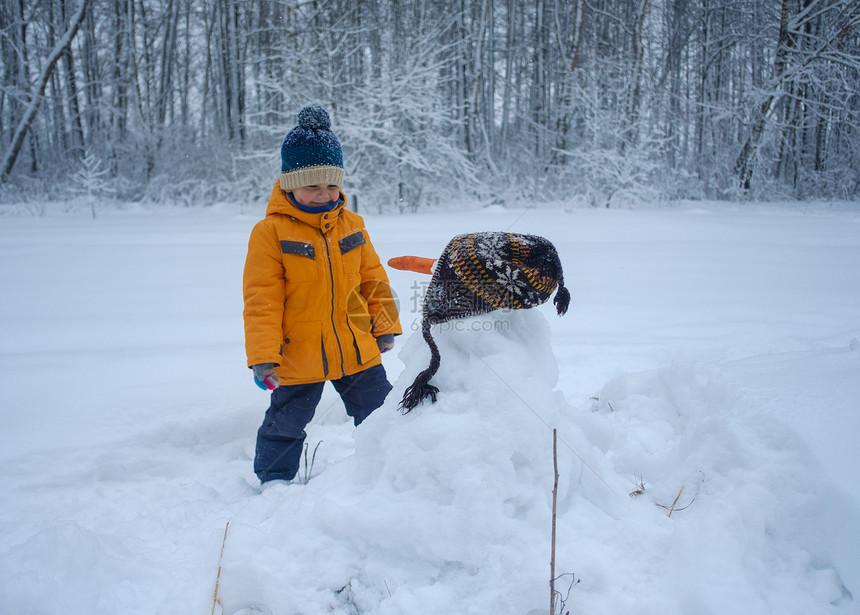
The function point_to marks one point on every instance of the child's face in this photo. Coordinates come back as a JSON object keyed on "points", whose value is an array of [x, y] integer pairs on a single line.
{"points": [[316, 196]]}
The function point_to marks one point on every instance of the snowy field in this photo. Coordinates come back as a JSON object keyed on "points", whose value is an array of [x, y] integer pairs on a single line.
{"points": [[705, 386]]}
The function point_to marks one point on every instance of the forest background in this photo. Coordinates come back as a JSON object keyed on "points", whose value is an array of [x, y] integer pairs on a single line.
{"points": [[605, 102]]}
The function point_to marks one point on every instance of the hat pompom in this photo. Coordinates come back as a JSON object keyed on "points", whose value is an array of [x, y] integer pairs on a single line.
{"points": [[314, 117]]}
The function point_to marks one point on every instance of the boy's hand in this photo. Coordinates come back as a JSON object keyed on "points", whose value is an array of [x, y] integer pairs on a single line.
{"points": [[385, 342], [265, 376]]}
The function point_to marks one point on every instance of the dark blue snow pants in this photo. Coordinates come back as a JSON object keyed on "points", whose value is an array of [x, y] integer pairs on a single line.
{"points": [[281, 437]]}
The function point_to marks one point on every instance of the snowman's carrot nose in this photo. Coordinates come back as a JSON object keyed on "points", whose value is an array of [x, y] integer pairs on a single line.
{"points": [[418, 264]]}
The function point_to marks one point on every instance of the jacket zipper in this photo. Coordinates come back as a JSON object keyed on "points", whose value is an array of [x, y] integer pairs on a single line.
{"points": [[331, 312]]}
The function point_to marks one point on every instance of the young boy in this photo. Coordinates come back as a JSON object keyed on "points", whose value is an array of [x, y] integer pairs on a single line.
{"points": [[317, 301]]}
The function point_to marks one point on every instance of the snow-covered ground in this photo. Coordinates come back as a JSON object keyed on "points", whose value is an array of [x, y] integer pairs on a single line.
{"points": [[705, 386]]}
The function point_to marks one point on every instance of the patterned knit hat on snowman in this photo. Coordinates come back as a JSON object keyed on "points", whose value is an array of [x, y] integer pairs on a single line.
{"points": [[478, 273]]}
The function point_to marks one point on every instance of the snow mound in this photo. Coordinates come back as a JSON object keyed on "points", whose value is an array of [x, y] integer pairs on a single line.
{"points": [[435, 507], [671, 500], [713, 486]]}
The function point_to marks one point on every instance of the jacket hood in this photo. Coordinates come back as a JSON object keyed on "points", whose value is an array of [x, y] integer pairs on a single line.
{"points": [[280, 203]]}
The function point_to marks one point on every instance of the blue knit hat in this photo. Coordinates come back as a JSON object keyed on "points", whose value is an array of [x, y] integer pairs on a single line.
{"points": [[311, 153]]}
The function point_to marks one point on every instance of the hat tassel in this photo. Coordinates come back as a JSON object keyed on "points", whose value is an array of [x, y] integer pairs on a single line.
{"points": [[562, 299], [421, 389]]}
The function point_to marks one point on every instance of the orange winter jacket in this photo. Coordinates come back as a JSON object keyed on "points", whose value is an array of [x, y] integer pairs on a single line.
{"points": [[316, 294]]}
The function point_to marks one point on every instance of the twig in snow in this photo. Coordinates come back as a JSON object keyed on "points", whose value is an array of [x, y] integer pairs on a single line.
{"points": [[218, 578], [554, 502], [674, 506], [309, 467], [640, 486], [675, 503], [562, 600]]}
